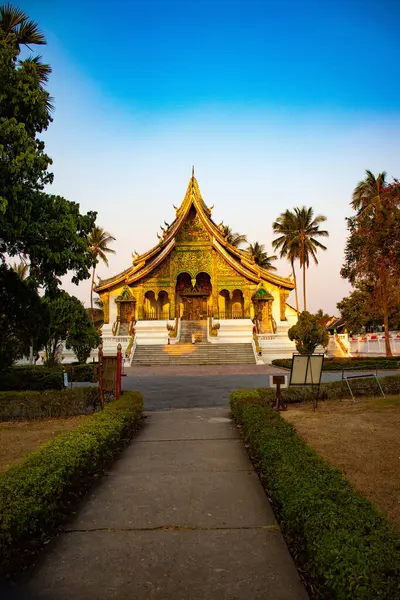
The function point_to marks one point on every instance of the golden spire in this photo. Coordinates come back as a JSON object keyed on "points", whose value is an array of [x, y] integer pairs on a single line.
{"points": [[192, 170]]}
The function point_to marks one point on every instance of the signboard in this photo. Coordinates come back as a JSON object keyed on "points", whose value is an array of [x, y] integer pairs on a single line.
{"points": [[65, 379], [306, 369], [273, 383]]}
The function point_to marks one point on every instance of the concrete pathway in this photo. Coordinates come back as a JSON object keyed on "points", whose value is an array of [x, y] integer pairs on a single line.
{"points": [[180, 516]]}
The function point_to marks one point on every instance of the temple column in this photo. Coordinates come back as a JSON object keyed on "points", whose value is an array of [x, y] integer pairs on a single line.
{"points": [[172, 302], [283, 295]]}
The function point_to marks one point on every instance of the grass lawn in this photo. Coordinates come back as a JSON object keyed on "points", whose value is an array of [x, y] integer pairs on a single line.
{"points": [[18, 438], [362, 439]]}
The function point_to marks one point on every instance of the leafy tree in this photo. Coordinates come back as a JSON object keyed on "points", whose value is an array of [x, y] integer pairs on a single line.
{"points": [[358, 309], [259, 255], [68, 321], [47, 229], [308, 333], [98, 241], [287, 243], [372, 251], [235, 239], [23, 318]]}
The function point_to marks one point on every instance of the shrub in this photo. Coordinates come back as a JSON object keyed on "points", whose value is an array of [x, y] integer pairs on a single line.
{"points": [[33, 494], [86, 372], [334, 390], [347, 549], [49, 403], [31, 378], [338, 364], [308, 333]]}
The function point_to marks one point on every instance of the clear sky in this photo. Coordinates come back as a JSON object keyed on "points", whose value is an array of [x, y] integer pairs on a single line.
{"points": [[276, 103]]}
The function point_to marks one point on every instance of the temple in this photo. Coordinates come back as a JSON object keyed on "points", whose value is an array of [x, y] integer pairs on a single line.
{"points": [[195, 274]]}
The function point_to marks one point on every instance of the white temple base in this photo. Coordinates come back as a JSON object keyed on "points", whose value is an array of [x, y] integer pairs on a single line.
{"points": [[232, 331], [152, 332]]}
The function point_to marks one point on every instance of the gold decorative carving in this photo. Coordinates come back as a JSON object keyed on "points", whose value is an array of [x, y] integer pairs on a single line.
{"points": [[162, 271], [223, 269], [191, 261], [283, 295], [105, 298], [193, 229]]}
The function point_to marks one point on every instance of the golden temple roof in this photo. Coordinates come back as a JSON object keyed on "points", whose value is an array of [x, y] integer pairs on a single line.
{"points": [[240, 260]]}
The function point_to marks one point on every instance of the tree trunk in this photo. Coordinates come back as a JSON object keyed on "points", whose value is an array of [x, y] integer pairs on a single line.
{"points": [[295, 287], [91, 295], [31, 353], [386, 316], [304, 286]]}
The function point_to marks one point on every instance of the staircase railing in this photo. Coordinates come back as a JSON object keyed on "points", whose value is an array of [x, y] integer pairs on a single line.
{"points": [[115, 327]]}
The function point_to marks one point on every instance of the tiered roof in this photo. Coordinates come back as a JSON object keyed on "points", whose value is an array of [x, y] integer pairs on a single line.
{"points": [[240, 260]]}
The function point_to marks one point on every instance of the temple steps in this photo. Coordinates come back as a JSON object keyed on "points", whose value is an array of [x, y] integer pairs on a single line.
{"points": [[194, 354], [199, 328]]}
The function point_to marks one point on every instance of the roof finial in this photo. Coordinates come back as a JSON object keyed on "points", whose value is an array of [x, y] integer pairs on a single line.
{"points": [[192, 170]]}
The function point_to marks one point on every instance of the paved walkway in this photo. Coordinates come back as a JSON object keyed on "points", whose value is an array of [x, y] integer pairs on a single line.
{"points": [[180, 516], [204, 385]]}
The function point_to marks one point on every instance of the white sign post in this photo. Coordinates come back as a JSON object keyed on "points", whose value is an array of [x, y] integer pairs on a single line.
{"points": [[307, 370]]}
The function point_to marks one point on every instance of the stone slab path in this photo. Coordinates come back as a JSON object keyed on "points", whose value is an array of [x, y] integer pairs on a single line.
{"points": [[180, 516]]}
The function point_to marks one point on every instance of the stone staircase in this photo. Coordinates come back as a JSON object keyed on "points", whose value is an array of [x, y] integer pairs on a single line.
{"points": [[194, 354], [199, 328]]}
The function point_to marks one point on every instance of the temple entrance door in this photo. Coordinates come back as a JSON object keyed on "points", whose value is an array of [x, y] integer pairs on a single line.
{"points": [[195, 308], [127, 310]]}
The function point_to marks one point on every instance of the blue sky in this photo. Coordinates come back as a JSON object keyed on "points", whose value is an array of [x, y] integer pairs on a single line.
{"points": [[277, 104]]}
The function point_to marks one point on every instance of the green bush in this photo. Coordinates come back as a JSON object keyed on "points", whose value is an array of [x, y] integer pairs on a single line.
{"points": [[79, 373], [31, 378], [49, 403], [33, 493], [334, 390], [337, 364], [347, 549]]}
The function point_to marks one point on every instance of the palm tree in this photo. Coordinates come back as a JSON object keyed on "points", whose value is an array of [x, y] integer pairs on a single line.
{"points": [[98, 242], [16, 27], [367, 196], [259, 255], [307, 230], [287, 242], [21, 269], [234, 239]]}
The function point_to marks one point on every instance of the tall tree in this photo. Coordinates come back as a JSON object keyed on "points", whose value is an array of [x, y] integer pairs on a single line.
{"points": [[307, 231], [48, 229], [373, 246], [99, 240], [287, 243], [260, 256], [23, 317], [235, 239], [69, 322]]}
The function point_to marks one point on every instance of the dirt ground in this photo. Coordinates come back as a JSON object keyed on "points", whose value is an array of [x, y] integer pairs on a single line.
{"points": [[363, 440], [18, 438]]}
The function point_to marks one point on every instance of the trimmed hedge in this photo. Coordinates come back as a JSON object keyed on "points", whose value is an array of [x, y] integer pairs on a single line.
{"points": [[34, 493], [31, 378], [39, 378], [81, 373], [359, 363], [50, 403], [347, 549], [334, 390]]}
